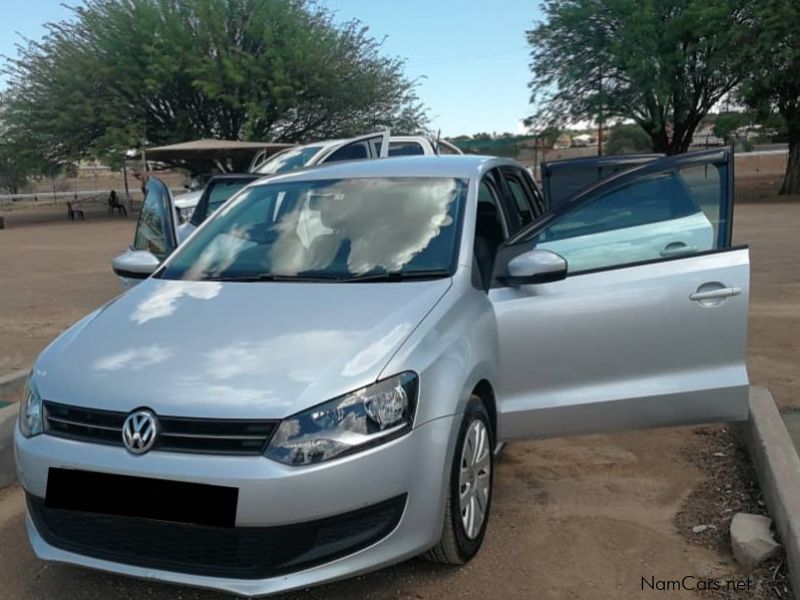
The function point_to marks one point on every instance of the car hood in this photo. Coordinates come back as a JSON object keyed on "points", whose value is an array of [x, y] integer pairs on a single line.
{"points": [[232, 349]]}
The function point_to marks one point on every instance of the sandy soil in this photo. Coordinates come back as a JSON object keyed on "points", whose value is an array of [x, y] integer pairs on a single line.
{"points": [[581, 518], [52, 273]]}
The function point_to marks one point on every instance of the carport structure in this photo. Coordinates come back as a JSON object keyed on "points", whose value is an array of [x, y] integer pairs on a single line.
{"points": [[206, 154]]}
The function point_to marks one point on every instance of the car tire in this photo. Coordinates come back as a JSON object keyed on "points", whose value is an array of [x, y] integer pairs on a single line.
{"points": [[461, 538]]}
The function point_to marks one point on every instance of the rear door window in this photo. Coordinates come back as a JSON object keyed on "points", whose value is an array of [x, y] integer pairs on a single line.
{"points": [[405, 149]]}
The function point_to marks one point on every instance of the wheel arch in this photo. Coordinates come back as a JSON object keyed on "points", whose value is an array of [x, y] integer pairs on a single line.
{"points": [[485, 391]]}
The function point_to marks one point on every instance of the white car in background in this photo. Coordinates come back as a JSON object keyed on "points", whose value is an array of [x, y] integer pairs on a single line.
{"points": [[328, 151], [374, 145]]}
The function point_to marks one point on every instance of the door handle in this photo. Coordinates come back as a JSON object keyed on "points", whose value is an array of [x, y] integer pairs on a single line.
{"points": [[716, 294], [677, 249]]}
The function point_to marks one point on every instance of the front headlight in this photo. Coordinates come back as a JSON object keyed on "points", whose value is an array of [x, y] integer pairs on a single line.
{"points": [[372, 415], [30, 411]]}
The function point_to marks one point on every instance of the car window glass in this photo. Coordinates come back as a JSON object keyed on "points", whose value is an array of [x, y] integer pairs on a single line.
{"points": [[567, 181], [443, 148], [661, 216], [288, 160], [703, 181], [328, 229], [222, 191], [489, 234], [486, 194], [151, 229], [353, 151], [521, 205], [405, 149]]}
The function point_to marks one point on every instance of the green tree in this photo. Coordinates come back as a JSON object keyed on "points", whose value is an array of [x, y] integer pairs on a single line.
{"points": [[662, 63], [628, 138], [726, 124], [13, 173], [774, 83], [120, 74]]}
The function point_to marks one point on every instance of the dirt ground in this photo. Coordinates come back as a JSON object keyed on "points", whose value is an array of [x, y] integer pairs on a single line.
{"points": [[581, 518]]}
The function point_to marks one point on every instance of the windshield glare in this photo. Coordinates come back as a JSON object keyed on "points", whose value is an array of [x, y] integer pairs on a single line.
{"points": [[288, 160], [329, 229]]}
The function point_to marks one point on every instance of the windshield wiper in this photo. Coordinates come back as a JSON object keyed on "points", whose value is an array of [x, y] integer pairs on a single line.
{"points": [[398, 276], [271, 277], [366, 278]]}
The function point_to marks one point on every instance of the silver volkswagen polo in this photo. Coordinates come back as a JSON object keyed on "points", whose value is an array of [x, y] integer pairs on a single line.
{"points": [[313, 384]]}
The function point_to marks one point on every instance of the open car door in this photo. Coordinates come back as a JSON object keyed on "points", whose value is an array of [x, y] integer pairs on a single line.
{"points": [[563, 178], [217, 192], [626, 307], [156, 235], [372, 145]]}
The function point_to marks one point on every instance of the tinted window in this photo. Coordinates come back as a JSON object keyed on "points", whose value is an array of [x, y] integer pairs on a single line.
{"points": [[353, 151], [330, 229], [563, 179], [521, 205], [405, 149], [647, 219], [649, 201], [153, 232]]}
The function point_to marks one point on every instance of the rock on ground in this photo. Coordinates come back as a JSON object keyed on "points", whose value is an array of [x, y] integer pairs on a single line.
{"points": [[751, 539]]}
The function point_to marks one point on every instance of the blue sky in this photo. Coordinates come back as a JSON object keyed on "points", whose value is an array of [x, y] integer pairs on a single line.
{"points": [[470, 56]]}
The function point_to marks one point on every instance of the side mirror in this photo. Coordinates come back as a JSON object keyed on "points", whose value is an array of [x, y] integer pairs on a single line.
{"points": [[534, 266], [135, 264]]}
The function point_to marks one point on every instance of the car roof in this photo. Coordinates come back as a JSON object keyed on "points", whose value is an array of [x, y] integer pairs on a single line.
{"points": [[465, 166]]}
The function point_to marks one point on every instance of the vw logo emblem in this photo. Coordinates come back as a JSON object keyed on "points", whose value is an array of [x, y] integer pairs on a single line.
{"points": [[139, 431]]}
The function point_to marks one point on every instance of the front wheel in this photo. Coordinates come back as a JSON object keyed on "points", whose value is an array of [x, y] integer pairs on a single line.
{"points": [[469, 491]]}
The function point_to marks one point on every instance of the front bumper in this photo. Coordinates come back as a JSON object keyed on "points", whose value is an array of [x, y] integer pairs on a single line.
{"points": [[272, 495]]}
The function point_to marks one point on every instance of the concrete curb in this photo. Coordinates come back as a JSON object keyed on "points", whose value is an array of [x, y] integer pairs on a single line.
{"points": [[8, 421], [778, 468], [11, 385]]}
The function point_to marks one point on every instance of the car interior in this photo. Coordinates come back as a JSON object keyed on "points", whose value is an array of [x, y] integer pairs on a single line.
{"points": [[489, 234]]}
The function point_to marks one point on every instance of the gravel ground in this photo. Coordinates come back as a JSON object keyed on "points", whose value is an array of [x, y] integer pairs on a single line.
{"points": [[728, 486]]}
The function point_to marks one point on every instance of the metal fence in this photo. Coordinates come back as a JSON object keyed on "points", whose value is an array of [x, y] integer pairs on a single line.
{"points": [[61, 198]]}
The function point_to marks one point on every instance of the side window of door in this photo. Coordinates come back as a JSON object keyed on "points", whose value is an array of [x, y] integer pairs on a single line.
{"points": [[153, 230], [490, 232], [356, 151], [521, 201], [405, 149], [666, 215]]}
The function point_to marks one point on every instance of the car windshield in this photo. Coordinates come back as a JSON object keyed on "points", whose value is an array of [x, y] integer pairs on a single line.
{"points": [[224, 190], [368, 229], [288, 160]]}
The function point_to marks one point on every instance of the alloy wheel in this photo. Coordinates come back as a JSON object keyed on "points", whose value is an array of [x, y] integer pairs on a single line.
{"points": [[475, 478]]}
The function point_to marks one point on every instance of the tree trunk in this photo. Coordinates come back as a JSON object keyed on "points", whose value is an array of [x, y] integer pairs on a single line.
{"points": [[660, 140], [791, 181]]}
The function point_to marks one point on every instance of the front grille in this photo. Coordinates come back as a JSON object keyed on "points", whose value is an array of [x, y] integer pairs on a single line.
{"points": [[177, 434], [235, 552]]}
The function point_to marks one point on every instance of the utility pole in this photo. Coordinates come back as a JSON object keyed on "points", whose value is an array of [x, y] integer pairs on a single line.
{"points": [[600, 113]]}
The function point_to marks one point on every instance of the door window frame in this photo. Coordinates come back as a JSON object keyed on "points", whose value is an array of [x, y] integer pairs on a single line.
{"points": [[517, 174], [491, 179], [723, 157], [170, 231]]}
